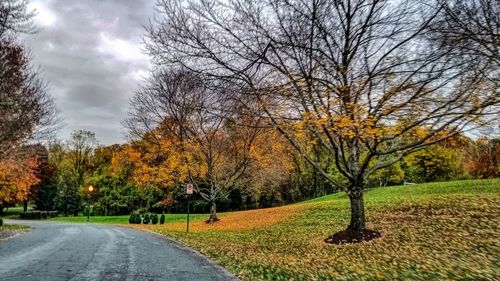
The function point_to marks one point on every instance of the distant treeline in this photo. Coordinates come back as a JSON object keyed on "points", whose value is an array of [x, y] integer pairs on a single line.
{"points": [[137, 177]]}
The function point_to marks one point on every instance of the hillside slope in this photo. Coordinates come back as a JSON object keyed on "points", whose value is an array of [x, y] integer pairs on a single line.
{"points": [[429, 232]]}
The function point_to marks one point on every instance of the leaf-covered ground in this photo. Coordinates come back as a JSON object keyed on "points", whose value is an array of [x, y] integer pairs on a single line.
{"points": [[232, 222], [432, 231]]}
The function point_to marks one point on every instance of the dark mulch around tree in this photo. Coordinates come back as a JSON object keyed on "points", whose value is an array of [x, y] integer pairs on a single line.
{"points": [[349, 236], [212, 220]]}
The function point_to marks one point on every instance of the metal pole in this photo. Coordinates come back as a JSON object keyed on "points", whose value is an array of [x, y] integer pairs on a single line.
{"points": [[187, 225], [88, 211]]}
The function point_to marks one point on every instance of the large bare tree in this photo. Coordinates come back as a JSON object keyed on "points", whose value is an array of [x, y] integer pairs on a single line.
{"points": [[471, 28], [360, 78], [470, 31], [188, 107]]}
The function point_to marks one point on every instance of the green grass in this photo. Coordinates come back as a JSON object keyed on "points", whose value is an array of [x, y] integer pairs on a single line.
{"points": [[169, 218], [435, 231], [426, 189], [12, 211]]}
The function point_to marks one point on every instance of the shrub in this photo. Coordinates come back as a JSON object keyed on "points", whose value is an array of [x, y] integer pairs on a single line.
{"points": [[145, 220], [154, 218], [52, 214], [1, 221], [31, 215], [36, 215], [162, 219], [135, 218]]}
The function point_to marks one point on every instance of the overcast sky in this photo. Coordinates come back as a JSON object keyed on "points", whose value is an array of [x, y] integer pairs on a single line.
{"points": [[90, 54]]}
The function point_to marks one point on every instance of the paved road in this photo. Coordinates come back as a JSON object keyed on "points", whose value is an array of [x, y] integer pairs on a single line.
{"points": [[60, 251]]}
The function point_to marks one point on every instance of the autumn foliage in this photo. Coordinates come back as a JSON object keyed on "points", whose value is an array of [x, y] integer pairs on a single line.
{"points": [[482, 158], [16, 180], [148, 164]]}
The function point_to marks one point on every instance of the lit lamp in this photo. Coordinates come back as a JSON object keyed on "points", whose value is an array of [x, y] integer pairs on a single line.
{"points": [[90, 189]]}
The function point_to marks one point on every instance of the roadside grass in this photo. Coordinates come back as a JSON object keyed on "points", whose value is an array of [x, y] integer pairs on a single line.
{"points": [[8, 230], [93, 219], [14, 227], [169, 219], [433, 231]]}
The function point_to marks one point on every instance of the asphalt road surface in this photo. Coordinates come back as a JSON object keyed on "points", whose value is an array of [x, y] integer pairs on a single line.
{"points": [[62, 251]]}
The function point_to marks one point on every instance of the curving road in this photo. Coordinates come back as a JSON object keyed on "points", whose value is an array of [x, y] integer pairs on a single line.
{"points": [[63, 251]]}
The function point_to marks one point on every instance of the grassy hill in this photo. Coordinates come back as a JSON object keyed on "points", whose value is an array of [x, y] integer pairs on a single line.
{"points": [[430, 231]]}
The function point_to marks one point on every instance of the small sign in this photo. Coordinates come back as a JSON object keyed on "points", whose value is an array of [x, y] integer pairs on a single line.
{"points": [[189, 188]]}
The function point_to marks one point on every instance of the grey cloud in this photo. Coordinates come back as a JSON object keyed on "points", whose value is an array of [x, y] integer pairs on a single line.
{"points": [[89, 57]]}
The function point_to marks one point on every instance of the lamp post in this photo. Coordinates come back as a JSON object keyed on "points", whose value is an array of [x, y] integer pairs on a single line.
{"points": [[90, 189]]}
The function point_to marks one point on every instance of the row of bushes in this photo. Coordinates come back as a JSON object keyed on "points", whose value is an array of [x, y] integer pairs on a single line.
{"points": [[1, 221], [153, 218], [38, 215]]}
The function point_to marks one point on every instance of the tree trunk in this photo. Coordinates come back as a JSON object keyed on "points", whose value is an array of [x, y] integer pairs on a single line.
{"points": [[25, 206], [356, 231], [357, 209], [213, 213]]}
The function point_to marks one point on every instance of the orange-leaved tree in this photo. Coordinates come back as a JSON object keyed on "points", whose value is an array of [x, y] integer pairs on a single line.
{"points": [[16, 180], [482, 158], [156, 160]]}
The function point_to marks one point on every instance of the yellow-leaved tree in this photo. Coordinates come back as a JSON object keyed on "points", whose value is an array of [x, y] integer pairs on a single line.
{"points": [[344, 72]]}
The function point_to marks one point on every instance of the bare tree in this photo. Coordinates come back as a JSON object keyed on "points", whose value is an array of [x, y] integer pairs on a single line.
{"points": [[81, 147], [189, 108], [470, 31], [27, 111], [358, 77], [15, 17], [471, 28]]}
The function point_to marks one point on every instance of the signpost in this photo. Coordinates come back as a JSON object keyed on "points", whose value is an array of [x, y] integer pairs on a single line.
{"points": [[189, 191]]}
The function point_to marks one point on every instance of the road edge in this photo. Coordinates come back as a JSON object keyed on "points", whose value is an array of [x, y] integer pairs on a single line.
{"points": [[193, 252]]}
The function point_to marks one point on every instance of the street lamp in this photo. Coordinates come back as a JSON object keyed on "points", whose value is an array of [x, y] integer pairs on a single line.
{"points": [[90, 189]]}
